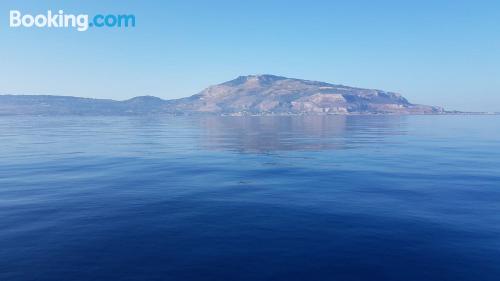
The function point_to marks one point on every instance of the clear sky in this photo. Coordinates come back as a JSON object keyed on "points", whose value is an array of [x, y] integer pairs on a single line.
{"points": [[433, 52]]}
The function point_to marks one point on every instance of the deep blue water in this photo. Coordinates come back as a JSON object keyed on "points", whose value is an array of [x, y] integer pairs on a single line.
{"points": [[250, 198]]}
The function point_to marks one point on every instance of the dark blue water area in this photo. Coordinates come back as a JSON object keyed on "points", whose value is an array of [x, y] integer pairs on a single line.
{"points": [[250, 198]]}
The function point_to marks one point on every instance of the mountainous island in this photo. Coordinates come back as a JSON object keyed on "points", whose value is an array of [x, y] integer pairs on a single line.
{"points": [[245, 95]]}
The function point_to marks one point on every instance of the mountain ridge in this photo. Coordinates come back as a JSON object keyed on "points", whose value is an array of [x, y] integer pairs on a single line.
{"points": [[271, 94], [245, 95]]}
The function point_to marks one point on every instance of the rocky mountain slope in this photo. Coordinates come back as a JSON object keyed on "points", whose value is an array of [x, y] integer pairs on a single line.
{"points": [[269, 94], [245, 95]]}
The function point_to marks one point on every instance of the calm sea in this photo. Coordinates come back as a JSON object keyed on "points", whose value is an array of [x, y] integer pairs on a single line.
{"points": [[250, 198]]}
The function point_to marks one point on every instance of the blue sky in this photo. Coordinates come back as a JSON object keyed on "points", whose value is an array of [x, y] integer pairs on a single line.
{"points": [[433, 52]]}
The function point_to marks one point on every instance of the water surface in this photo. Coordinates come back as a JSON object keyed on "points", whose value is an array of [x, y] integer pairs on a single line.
{"points": [[250, 198]]}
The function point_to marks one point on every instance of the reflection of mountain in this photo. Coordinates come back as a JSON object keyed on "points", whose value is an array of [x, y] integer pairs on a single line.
{"points": [[267, 134], [246, 95]]}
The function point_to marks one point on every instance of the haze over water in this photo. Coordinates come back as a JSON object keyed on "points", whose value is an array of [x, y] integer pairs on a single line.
{"points": [[250, 198]]}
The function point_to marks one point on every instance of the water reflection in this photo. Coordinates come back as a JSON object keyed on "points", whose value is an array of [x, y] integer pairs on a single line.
{"points": [[271, 133], [166, 136]]}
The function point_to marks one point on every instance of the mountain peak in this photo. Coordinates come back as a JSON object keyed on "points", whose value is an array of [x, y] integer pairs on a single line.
{"points": [[271, 94], [259, 78], [144, 99]]}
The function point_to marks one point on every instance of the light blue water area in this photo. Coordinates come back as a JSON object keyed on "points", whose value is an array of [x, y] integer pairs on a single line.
{"points": [[250, 198]]}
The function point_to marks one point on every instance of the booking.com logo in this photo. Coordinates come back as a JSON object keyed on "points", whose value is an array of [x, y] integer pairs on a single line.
{"points": [[80, 22]]}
